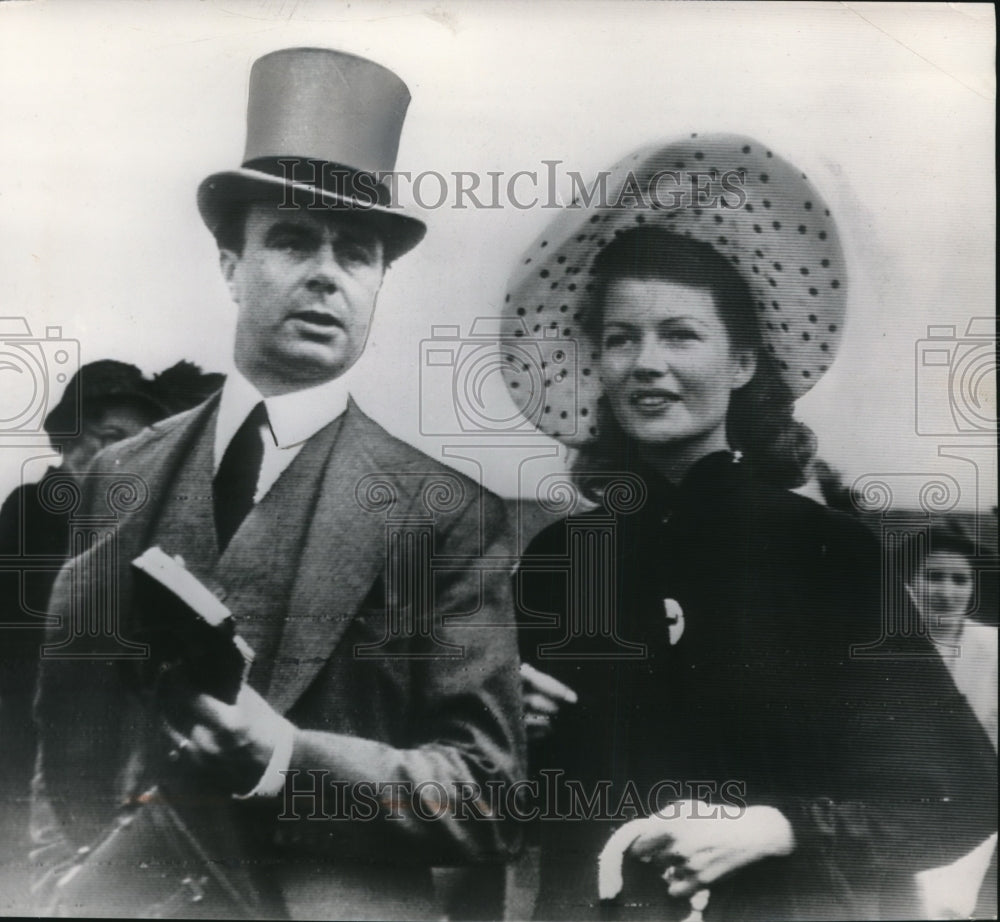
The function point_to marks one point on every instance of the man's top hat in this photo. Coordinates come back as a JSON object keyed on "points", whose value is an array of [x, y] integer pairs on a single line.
{"points": [[322, 130]]}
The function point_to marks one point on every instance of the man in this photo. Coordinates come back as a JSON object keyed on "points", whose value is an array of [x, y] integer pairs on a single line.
{"points": [[367, 692]]}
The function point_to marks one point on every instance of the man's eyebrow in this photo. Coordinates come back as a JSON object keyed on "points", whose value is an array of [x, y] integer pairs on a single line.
{"points": [[288, 227]]}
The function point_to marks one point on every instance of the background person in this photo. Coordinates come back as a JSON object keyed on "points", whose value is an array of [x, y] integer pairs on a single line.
{"points": [[943, 583], [709, 642], [107, 401]]}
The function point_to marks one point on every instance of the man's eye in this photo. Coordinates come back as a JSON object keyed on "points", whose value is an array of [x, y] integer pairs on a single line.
{"points": [[357, 253]]}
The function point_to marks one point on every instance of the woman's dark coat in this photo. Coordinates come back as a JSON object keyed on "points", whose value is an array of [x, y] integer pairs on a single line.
{"points": [[877, 762]]}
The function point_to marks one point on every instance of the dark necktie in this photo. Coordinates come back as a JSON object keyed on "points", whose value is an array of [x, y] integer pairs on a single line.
{"points": [[236, 481]]}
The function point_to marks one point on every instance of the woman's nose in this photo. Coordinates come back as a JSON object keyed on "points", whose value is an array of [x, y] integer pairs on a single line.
{"points": [[651, 359]]}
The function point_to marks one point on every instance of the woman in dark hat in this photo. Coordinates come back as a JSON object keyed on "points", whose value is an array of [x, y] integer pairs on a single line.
{"points": [[726, 756]]}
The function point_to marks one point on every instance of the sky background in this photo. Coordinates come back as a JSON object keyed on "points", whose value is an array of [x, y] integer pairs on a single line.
{"points": [[113, 112]]}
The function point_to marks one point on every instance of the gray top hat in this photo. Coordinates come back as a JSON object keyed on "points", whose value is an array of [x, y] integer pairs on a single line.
{"points": [[323, 128]]}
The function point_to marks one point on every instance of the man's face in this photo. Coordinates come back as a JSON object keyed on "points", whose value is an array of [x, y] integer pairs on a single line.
{"points": [[305, 285]]}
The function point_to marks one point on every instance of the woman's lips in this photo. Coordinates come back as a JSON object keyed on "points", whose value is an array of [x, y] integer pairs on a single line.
{"points": [[653, 399]]}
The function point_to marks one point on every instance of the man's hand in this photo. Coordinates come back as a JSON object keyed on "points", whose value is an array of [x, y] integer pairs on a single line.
{"points": [[235, 741], [543, 697], [694, 844]]}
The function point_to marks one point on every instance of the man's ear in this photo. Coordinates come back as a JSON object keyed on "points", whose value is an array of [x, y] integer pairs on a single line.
{"points": [[228, 261]]}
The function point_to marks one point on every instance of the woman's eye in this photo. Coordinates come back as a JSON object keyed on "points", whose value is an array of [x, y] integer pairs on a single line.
{"points": [[682, 334], [615, 340]]}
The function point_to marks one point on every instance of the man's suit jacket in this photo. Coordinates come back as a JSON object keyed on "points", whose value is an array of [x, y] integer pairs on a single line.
{"points": [[438, 701]]}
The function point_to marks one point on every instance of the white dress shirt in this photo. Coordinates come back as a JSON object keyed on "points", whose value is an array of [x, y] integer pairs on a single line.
{"points": [[292, 419]]}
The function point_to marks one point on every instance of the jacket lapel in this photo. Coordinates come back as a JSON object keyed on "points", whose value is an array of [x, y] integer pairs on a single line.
{"points": [[343, 555]]}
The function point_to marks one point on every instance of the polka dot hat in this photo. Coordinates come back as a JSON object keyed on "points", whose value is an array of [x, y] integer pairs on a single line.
{"points": [[732, 192]]}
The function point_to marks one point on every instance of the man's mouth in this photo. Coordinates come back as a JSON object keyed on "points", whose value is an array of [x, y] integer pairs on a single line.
{"points": [[318, 319], [653, 399]]}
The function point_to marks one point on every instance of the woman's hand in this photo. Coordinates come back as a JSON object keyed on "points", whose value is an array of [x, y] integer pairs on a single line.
{"points": [[695, 844], [543, 697]]}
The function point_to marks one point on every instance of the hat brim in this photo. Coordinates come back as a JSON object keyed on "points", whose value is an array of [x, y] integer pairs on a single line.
{"points": [[217, 194]]}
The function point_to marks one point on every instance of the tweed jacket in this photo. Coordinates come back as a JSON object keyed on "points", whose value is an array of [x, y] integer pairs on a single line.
{"points": [[380, 694]]}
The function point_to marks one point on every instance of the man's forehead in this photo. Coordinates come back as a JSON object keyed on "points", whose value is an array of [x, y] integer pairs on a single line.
{"points": [[265, 215]]}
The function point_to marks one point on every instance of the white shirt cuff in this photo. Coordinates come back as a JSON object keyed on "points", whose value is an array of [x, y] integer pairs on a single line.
{"points": [[272, 782]]}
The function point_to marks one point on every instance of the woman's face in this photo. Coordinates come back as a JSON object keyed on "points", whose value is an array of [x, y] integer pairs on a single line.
{"points": [[667, 365], [944, 585]]}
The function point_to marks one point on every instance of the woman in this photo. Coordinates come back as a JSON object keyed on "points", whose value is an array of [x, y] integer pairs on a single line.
{"points": [[942, 582], [703, 615]]}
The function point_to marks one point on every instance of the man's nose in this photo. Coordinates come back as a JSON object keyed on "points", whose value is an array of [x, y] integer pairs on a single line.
{"points": [[324, 271]]}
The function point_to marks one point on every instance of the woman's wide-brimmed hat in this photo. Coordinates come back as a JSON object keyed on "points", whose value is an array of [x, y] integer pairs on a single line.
{"points": [[323, 131], [730, 191]]}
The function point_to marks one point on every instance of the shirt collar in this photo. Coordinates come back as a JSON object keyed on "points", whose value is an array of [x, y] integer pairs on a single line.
{"points": [[293, 417]]}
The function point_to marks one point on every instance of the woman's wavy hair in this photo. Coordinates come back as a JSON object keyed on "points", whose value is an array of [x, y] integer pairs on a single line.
{"points": [[761, 421]]}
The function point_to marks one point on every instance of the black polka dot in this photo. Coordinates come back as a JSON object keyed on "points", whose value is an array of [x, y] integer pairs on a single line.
{"points": [[832, 328], [586, 372], [536, 328], [584, 411], [718, 219], [772, 283], [528, 260], [777, 266], [822, 368], [804, 270], [561, 260], [679, 164], [759, 253], [824, 347], [563, 308], [723, 240], [540, 308], [824, 263], [595, 219], [822, 235], [571, 286], [835, 284], [769, 154], [544, 273], [748, 206], [514, 385], [764, 177], [756, 227], [746, 148], [520, 312], [805, 336], [784, 366], [812, 318], [699, 155], [506, 300], [563, 415], [802, 228], [554, 285], [776, 225], [568, 332], [807, 205], [519, 333], [776, 305], [766, 203], [784, 327], [805, 373], [813, 292], [640, 219], [735, 259], [545, 243], [756, 271], [593, 431], [580, 238]]}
